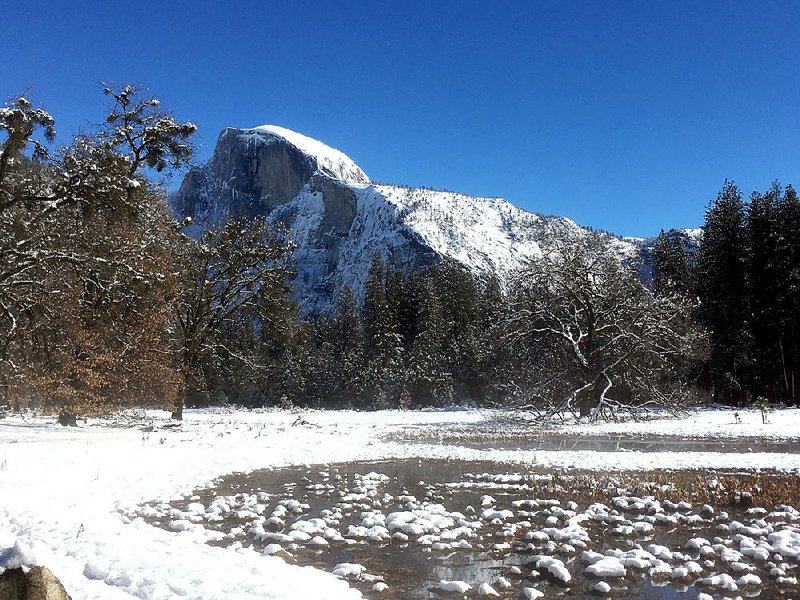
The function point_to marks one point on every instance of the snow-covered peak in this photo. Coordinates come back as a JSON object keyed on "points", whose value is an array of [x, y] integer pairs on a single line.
{"points": [[339, 220], [695, 234], [330, 161]]}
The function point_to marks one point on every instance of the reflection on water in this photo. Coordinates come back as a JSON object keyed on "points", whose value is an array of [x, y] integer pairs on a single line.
{"points": [[499, 549]]}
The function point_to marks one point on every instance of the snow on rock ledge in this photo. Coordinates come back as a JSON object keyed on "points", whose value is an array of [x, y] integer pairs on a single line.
{"points": [[330, 161]]}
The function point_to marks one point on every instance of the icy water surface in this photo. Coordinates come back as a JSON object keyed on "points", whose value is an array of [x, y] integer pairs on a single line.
{"points": [[614, 443], [410, 525]]}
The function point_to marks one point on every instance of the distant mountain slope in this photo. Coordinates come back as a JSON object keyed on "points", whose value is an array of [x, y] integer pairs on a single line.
{"points": [[340, 219]]}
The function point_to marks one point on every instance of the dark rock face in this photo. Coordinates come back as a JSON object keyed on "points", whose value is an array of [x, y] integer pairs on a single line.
{"points": [[340, 207], [249, 174], [38, 584]]}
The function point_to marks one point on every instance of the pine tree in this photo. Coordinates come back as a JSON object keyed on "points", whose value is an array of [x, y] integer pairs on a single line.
{"points": [[375, 309], [430, 382], [496, 366], [408, 309], [788, 258], [671, 271], [395, 291], [723, 291], [383, 368], [765, 290], [346, 326], [457, 290], [348, 349]]}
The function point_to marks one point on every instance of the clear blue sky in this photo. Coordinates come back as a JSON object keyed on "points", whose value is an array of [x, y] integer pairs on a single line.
{"points": [[622, 115]]}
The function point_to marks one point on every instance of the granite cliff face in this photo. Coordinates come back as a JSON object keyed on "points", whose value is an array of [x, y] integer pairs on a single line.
{"points": [[339, 219], [250, 173]]}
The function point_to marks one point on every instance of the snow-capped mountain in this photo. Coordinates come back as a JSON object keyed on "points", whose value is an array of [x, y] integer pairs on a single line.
{"points": [[340, 219]]}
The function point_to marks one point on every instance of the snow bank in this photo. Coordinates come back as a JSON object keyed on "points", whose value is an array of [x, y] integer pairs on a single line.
{"points": [[706, 423]]}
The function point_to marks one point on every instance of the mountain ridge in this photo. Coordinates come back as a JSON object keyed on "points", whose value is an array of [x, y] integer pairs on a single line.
{"points": [[339, 218]]}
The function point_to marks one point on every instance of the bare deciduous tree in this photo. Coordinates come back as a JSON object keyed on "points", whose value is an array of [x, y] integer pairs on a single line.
{"points": [[234, 272], [596, 339]]}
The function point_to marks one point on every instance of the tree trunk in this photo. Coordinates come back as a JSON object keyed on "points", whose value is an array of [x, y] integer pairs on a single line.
{"points": [[586, 407], [182, 392], [783, 368], [180, 401], [593, 397], [68, 420], [590, 400]]}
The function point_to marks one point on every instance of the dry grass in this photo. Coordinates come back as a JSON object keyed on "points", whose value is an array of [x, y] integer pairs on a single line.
{"points": [[721, 490]]}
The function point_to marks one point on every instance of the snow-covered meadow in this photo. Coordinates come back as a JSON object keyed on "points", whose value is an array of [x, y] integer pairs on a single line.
{"points": [[64, 492]]}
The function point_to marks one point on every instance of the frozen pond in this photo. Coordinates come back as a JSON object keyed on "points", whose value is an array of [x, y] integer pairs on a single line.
{"points": [[428, 529]]}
